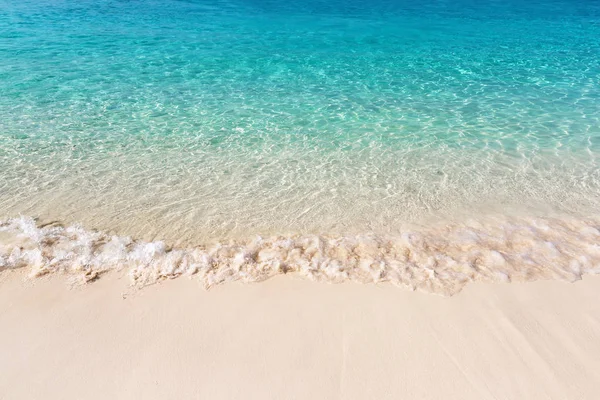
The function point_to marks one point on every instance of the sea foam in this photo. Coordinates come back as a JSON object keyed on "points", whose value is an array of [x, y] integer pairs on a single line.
{"points": [[439, 259]]}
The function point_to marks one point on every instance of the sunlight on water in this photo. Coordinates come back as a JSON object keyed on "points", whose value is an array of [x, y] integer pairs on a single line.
{"points": [[197, 122]]}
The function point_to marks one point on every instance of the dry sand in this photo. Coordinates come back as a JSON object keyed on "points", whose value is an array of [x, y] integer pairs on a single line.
{"points": [[288, 338]]}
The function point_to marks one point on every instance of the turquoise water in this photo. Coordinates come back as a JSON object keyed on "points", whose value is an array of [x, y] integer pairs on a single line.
{"points": [[199, 121]]}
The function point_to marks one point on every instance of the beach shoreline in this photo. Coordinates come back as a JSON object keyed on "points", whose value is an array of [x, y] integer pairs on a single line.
{"points": [[440, 258], [291, 338], [300, 200]]}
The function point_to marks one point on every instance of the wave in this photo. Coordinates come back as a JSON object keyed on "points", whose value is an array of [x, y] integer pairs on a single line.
{"points": [[438, 259]]}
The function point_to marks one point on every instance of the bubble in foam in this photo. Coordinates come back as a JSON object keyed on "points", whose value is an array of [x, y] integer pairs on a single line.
{"points": [[439, 259]]}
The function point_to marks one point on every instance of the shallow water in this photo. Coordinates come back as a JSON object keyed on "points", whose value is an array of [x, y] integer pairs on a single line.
{"points": [[201, 122]]}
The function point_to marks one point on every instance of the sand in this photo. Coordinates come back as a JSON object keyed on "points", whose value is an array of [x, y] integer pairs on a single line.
{"points": [[289, 338]]}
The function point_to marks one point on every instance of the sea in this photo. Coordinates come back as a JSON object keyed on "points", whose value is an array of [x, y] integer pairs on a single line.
{"points": [[425, 143]]}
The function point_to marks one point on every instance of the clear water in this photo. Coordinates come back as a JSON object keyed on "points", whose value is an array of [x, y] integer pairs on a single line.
{"points": [[200, 122]]}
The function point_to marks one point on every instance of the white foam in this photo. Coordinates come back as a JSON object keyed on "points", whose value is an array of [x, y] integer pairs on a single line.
{"points": [[439, 259]]}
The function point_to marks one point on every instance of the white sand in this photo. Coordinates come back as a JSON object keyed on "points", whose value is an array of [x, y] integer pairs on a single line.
{"points": [[293, 339]]}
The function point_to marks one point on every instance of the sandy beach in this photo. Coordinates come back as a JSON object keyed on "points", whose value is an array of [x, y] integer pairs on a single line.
{"points": [[289, 338], [305, 200]]}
